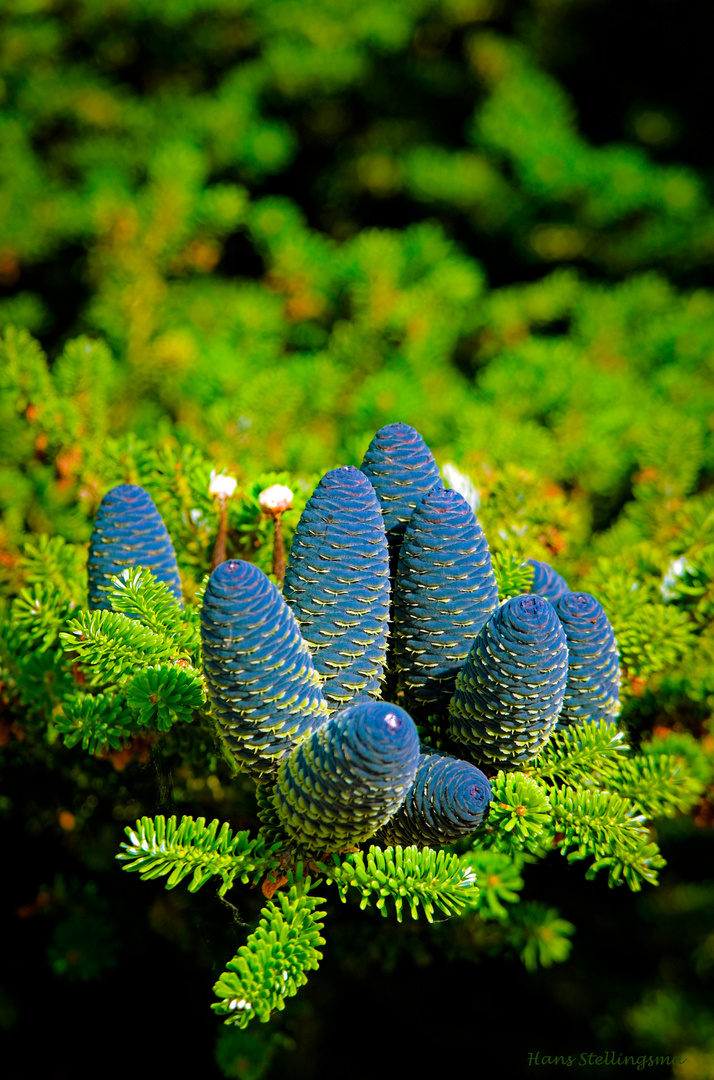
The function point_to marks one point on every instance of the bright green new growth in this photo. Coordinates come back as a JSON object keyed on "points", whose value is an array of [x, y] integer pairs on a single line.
{"points": [[584, 795], [95, 720], [408, 877], [272, 964], [159, 848]]}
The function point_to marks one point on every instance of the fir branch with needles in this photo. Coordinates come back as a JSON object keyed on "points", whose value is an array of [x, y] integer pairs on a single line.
{"points": [[405, 877], [273, 963], [161, 847]]}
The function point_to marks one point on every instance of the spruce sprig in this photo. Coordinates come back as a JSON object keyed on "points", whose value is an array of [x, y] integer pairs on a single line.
{"points": [[158, 847], [579, 752], [610, 828], [50, 560], [39, 612], [513, 575], [539, 935], [112, 646], [657, 784], [272, 964], [499, 880], [405, 876], [520, 815], [137, 593], [95, 720], [162, 696]]}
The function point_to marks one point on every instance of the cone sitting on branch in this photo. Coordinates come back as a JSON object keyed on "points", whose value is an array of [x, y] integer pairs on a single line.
{"points": [[337, 585], [445, 591], [448, 800], [510, 691], [401, 468], [592, 691], [339, 786], [546, 582], [128, 532], [262, 684]]}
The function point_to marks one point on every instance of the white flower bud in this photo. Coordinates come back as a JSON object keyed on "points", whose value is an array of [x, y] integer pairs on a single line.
{"points": [[275, 499], [222, 486]]}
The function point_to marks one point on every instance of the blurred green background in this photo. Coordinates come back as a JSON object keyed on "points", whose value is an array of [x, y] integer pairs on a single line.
{"points": [[279, 225]]}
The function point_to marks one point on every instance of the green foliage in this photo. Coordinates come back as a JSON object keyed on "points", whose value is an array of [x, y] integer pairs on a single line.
{"points": [[111, 646], [406, 877], [513, 576], [36, 614], [540, 936], [681, 746], [498, 879], [158, 848], [587, 796], [578, 753], [609, 828], [120, 648], [272, 964], [519, 814], [52, 562], [162, 696], [138, 594], [95, 720], [658, 784]]}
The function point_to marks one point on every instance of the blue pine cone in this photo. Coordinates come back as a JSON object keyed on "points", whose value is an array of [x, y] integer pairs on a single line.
{"points": [[510, 691], [546, 582], [128, 532], [337, 585], [592, 691], [260, 677], [401, 468], [337, 788], [445, 590], [448, 800]]}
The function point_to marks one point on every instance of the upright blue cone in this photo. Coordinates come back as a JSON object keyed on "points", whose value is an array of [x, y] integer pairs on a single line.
{"points": [[510, 691], [343, 783], [263, 687], [337, 585], [401, 468], [445, 590], [448, 800], [128, 532], [546, 582], [592, 691]]}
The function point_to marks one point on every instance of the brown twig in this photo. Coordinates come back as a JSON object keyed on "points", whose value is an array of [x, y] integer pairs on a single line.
{"points": [[278, 548], [219, 548]]}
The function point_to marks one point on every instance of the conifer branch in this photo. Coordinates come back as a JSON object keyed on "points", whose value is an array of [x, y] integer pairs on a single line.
{"points": [[539, 935], [520, 816], [499, 881], [272, 964], [577, 753], [39, 612], [97, 720], [162, 696], [658, 785], [609, 828], [513, 575], [158, 847], [51, 561], [138, 594], [405, 876], [112, 645]]}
